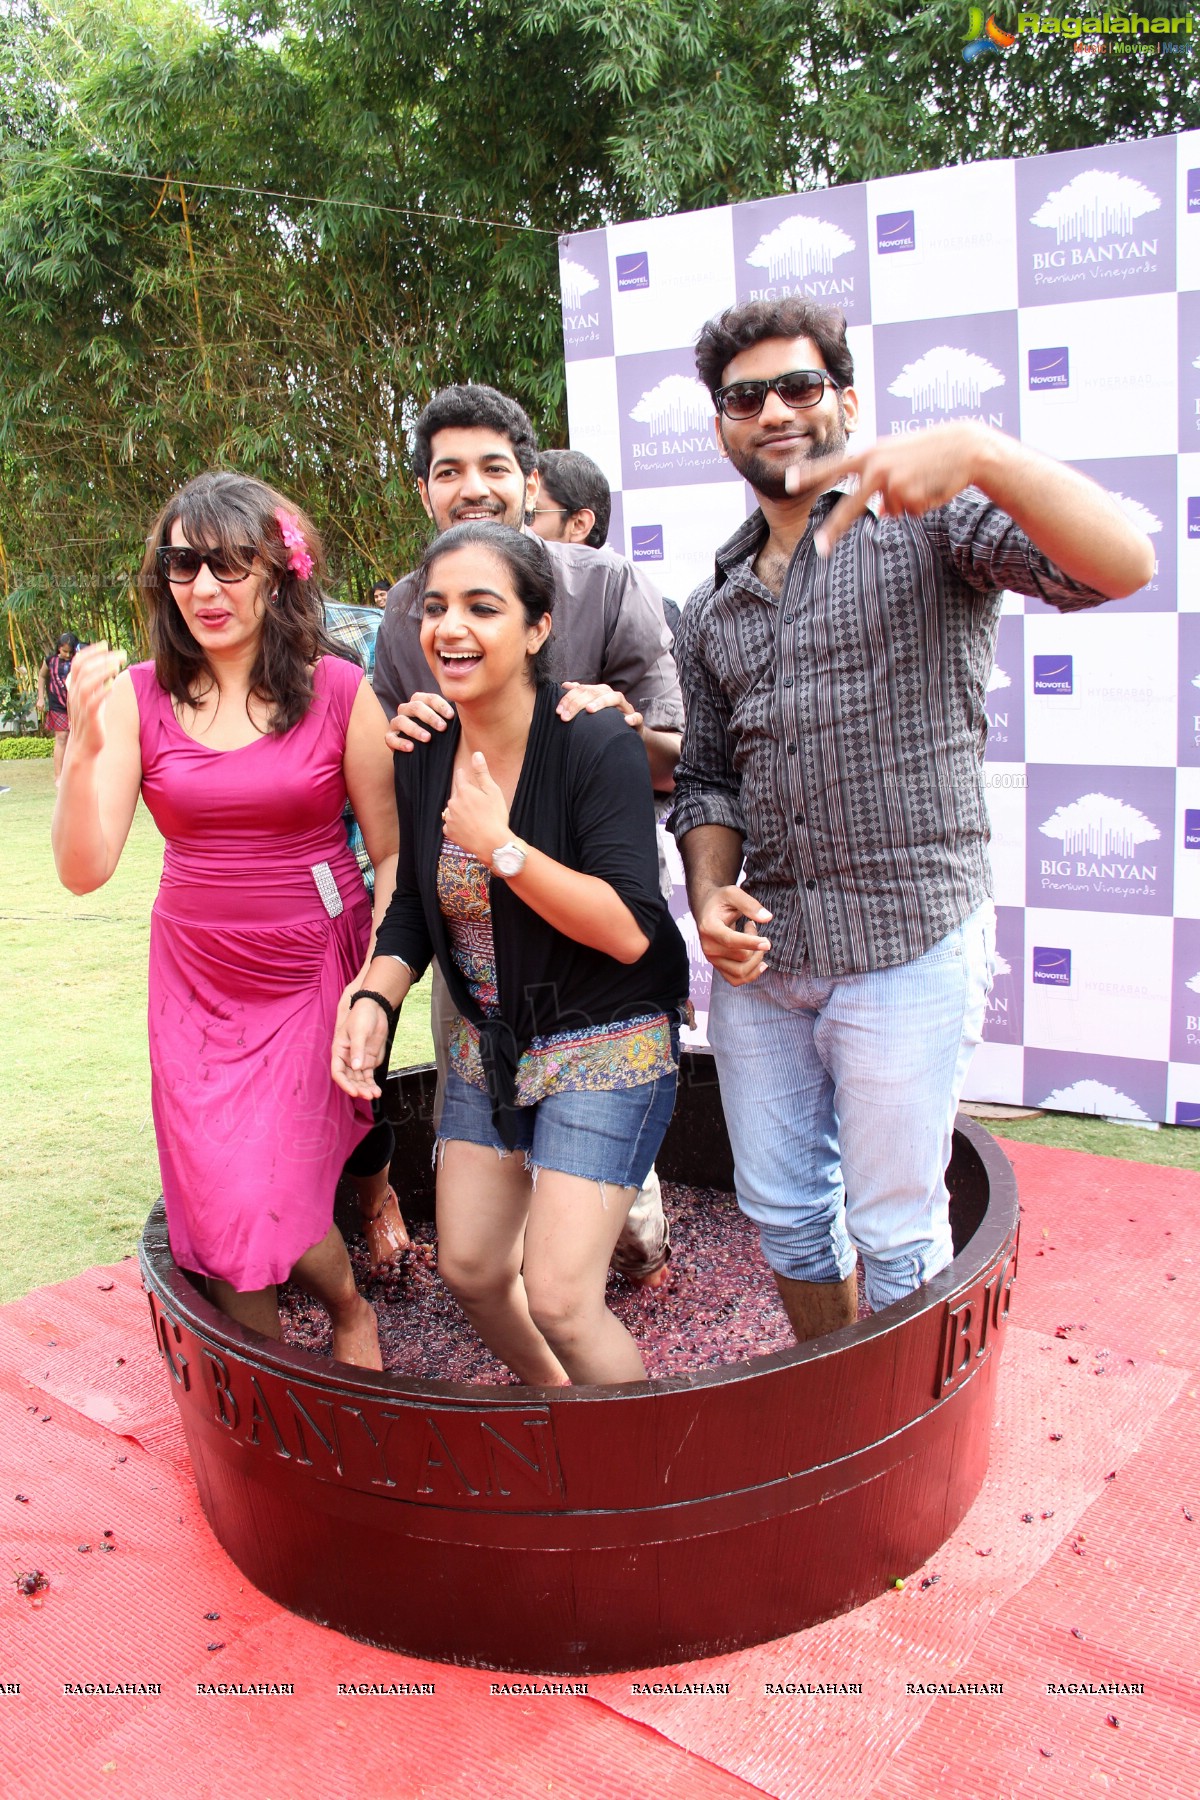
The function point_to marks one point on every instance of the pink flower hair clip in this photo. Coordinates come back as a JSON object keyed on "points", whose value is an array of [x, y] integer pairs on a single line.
{"points": [[289, 530]]}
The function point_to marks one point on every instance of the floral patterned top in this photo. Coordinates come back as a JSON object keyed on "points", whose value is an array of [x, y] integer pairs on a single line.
{"points": [[596, 1058]]}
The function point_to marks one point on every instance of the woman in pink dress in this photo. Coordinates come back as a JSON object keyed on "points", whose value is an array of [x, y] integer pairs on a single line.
{"points": [[245, 735]]}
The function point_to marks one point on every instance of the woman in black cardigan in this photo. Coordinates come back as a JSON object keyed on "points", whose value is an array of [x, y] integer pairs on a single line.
{"points": [[528, 866]]}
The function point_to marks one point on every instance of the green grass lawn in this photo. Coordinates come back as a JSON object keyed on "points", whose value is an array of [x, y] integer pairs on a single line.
{"points": [[78, 1172]]}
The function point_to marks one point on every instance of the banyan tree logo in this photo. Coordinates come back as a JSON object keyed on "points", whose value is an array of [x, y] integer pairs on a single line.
{"points": [[800, 246], [1097, 1097], [1136, 513], [1097, 203], [1194, 983], [998, 679], [1099, 826], [677, 403], [944, 379], [577, 281]]}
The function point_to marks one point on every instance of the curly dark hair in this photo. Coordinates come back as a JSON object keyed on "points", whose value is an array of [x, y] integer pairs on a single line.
{"points": [[465, 408], [236, 513], [740, 327], [526, 559]]}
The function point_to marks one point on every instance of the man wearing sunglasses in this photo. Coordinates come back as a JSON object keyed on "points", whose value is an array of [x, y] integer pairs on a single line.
{"points": [[834, 672]]}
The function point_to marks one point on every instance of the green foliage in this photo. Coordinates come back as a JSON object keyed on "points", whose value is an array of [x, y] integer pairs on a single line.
{"points": [[260, 235], [25, 749]]}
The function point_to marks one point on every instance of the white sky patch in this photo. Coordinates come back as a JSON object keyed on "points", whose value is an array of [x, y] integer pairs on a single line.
{"points": [[945, 377], [677, 403], [1098, 203], [998, 678], [800, 246], [1136, 513], [576, 282], [1099, 825], [1094, 1097]]}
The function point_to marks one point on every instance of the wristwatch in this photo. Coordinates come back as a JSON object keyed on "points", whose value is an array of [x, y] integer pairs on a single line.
{"points": [[509, 859]]}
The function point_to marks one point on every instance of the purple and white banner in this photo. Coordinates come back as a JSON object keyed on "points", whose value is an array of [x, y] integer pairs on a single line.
{"points": [[1056, 298]]}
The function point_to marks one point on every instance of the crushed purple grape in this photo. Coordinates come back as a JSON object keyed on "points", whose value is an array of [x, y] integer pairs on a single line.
{"points": [[718, 1305]]}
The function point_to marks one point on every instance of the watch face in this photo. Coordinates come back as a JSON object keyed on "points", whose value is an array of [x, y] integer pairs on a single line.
{"points": [[509, 859]]}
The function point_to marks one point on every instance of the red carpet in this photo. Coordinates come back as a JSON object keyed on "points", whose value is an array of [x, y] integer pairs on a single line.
{"points": [[1098, 1439]]}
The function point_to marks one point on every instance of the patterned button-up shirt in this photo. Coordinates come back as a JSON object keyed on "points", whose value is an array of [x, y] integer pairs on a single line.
{"points": [[841, 727]]}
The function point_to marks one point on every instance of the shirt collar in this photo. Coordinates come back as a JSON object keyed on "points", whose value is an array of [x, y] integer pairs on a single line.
{"points": [[749, 538]]}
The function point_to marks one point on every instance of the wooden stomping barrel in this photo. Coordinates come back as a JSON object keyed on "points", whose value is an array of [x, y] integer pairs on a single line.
{"points": [[592, 1529]]}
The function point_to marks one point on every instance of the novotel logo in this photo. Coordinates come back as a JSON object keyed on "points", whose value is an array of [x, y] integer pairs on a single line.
{"points": [[1187, 1112], [1193, 190], [895, 231], [1193, 515], [1053, 675], [1049, 368], [1051, 967], [1191, 828], [633, 271], [646, 543]]}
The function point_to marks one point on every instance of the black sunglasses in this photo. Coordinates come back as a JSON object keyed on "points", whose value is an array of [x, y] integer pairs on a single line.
{"points": [[182, 562], [798, 389]]}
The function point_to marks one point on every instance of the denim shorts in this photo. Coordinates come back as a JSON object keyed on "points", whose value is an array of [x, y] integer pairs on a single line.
{"points": [[608, 1136]]}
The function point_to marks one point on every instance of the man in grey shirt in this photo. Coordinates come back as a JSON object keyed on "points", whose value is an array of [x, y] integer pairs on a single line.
{"points": [[475, 458], [834, 673]]}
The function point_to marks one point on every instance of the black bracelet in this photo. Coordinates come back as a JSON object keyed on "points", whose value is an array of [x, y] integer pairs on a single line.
{"points": [[392, 1012]]}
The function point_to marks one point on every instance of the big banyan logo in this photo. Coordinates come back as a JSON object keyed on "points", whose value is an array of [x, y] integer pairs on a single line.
{"points": [[945, 378], [577, 280], [800, 246], [1096, 203], [1099, 825], [676, 403]]}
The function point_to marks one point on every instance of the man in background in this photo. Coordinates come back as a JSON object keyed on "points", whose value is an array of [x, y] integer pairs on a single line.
{"points": [[475, 458], [574, 502]]}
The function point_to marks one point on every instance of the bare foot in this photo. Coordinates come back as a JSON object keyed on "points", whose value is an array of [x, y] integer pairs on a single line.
{"points": [[655, 1279], [356, 1336], [387, 1239]]}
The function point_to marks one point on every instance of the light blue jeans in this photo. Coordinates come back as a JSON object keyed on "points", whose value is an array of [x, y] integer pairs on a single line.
{"points": [[840, 1098]]}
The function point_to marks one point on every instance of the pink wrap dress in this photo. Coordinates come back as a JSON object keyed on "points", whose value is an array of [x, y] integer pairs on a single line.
{"points": [[261, 920]]}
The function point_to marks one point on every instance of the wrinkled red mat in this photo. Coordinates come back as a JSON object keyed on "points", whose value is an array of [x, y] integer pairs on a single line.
{"points": [[1049, 1647]]}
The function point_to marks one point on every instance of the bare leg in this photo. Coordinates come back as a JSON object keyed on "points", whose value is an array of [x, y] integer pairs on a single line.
{"points": [[256, 1307], [382, 1221], [573, 1226], [482, 1206], [815, 1307], [325, 1273], [60, 750]]}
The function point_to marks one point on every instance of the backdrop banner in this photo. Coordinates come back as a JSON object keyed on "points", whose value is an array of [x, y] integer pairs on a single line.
{"points": [[1058, 299]]}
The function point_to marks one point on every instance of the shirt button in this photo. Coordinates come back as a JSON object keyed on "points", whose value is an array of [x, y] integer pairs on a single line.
{"points": [[791, 749], [788, 618], [787, 681], [810, 885], [798, 819]]}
